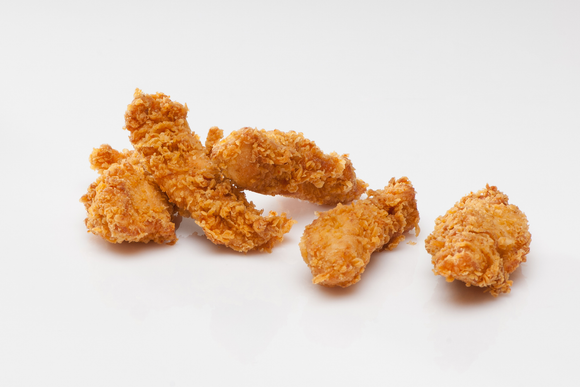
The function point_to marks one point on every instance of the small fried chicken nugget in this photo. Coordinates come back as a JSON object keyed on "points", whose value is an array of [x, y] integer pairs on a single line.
{"points": [[124, 204], [481, 240], [338, 245], [279, 163], [180, 166]]}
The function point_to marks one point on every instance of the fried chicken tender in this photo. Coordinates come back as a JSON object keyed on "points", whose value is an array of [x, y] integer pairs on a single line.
{"points": [[124, 204], [279, 163], [180, 166], [338, 245], [481, 240]]}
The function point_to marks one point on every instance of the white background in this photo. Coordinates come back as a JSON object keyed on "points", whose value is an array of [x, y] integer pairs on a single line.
{"points": [[452, 94]]}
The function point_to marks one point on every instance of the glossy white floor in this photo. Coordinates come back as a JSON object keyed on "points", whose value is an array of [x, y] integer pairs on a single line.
{"points": [[453, 95]]}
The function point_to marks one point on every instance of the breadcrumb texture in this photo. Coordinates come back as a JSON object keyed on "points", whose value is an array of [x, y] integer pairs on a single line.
{"points": [[481, 240], [180, 166], [213, 136], [338, 245], [286, 163], [124, 204]]}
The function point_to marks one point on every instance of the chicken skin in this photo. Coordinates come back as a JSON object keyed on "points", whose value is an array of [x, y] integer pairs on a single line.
{"points": [[338, 245], [481, 240], [279, 163], [124, 204], [178, 162]]}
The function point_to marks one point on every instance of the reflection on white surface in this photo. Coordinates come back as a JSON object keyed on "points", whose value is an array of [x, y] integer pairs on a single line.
{"points": [[141, 279], [332, 318], [337, 317], [464, 321], [247, 309], [245, 327]]}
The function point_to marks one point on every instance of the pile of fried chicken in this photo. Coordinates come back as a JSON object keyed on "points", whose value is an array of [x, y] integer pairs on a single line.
{"points": [[140, 194]]}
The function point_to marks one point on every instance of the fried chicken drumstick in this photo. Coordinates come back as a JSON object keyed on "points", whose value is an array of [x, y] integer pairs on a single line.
{"points": [[124, 204], [481, 240], [337, 246], [180, 166], [279, 163]]}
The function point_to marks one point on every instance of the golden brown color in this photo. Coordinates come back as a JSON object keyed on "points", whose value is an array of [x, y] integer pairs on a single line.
{"points": [[337, 246], [103, 157], [180, 166], [213, 136], [481, 240], [124, 204], [279, 163]]}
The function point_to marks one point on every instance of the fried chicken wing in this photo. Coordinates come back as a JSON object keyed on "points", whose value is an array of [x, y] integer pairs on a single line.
{"points": [[124, 204], [481, 240], [279, 163], [180, 166], [337, 246]]}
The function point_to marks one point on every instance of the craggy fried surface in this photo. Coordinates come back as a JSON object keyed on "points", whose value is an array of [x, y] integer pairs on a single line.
{"points": [[103, 157], [279, 163], [337, 246], [180, 166], [213, 136], [480, 241], [124, 204]]}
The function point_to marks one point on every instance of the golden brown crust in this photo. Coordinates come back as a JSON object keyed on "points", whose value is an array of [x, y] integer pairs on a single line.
{"points": [[337, 246], [286, 163], [214, 135], [481, 240], [124, 204], [180, 166], [103, 157]]}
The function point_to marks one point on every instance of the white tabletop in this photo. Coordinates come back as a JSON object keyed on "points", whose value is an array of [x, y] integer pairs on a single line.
{"points": [[453, 95]]}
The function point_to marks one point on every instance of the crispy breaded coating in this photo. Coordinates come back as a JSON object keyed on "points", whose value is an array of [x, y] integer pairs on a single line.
{"points": [[103, 157], [481, 240], [213, 136], [279, 163], [338, 245], [124, 204], [180, 166]]}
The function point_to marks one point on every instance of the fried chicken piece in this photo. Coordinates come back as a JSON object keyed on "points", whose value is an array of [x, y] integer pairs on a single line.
{"points": [[481, 240], [279, 163], [124, 204], [338, 245], [179, 164]]}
